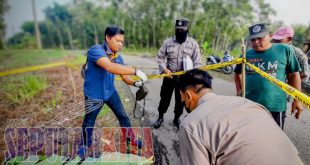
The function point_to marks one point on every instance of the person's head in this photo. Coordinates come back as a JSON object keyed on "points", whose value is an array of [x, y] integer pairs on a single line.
{"points": [[114, 37], [306, 46], [283, 35], [181, 29], [194, 84], [259, 37]]}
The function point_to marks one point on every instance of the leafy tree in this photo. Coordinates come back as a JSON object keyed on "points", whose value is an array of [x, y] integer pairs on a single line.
{"points": [[219, 23], [4, 7], [62, 20], [300, 35]]}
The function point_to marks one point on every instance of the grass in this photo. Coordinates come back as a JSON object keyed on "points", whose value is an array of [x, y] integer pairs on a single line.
{"points": [[12, 59], [105, 109], [51, 104], [23, 88]]}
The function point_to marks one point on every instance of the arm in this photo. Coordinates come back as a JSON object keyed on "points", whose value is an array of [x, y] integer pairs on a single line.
{"points": [[294, 81], [196, 57], [161, 60], [131, 82], [305, 71], [303, 62], [191, 150], [115, 68], [127, 80]]}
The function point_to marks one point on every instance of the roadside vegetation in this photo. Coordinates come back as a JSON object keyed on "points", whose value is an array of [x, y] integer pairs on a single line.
{"points": [[20, 89]]}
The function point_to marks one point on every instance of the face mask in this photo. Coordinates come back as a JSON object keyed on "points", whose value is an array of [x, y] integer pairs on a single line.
{"points": [[181, 35], [187, 108]]}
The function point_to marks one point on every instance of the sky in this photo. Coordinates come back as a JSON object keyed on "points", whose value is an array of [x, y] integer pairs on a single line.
{"points": [[288, 11], [21, 10], [291, 11]]}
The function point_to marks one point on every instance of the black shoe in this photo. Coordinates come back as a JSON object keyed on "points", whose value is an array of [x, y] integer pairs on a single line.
{"points": [[158, 123], [176, 122]]}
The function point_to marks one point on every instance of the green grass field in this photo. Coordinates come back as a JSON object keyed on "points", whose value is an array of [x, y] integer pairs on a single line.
{"points": [[23, 88], [11, 59]]}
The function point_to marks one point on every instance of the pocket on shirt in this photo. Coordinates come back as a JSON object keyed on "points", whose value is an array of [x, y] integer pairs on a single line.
{"points": [[171, 52], [188, 51]]}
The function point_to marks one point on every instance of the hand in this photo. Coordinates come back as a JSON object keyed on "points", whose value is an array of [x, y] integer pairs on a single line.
{"points": [[138, 84], [297, 109], [302, 75], [169, 73], [141, 75]]}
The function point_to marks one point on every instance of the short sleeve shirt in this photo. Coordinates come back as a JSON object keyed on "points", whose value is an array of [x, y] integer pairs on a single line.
{"points": [[277, 61], [99, 83]]}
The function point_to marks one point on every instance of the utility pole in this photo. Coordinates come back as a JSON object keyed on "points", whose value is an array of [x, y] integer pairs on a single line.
{"points": [[36, 26]]}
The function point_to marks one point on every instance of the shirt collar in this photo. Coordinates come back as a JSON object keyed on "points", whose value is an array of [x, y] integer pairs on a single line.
{"points": [[205, 97], [108, 51]]}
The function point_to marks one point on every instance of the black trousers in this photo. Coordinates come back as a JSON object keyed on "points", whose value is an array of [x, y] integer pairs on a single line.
{"points": [[166, 91], [279, 118]]}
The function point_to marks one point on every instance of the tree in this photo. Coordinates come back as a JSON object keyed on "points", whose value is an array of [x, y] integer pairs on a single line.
{"points": [[4, 7], [62, 20], [36, 26], [264, 11], [300, 34], [220, 23]]}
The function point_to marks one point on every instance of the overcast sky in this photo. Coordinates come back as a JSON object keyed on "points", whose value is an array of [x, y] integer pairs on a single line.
{"points": [[288, 11]]}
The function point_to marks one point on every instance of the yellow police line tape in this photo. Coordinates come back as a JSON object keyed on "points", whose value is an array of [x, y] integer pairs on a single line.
{"points": [[207, 67], [50, 65], [304, 99], [31, 68], [296, 94], [301, 97]]}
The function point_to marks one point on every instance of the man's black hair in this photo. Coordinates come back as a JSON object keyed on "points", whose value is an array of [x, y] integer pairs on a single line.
{"points": [[195, 77], [113, 30]]}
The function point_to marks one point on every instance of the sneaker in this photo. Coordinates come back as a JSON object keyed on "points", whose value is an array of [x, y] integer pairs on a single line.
{"points": [[93, 152], [82, 151], [158, 123]]}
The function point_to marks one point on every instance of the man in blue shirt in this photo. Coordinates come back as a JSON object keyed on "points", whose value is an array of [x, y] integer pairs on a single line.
{"points": [[102, 64]]}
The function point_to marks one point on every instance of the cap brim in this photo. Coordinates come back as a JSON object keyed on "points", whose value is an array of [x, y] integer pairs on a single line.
{"points": [[181, 27], [262, 34], [276, 37]]}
